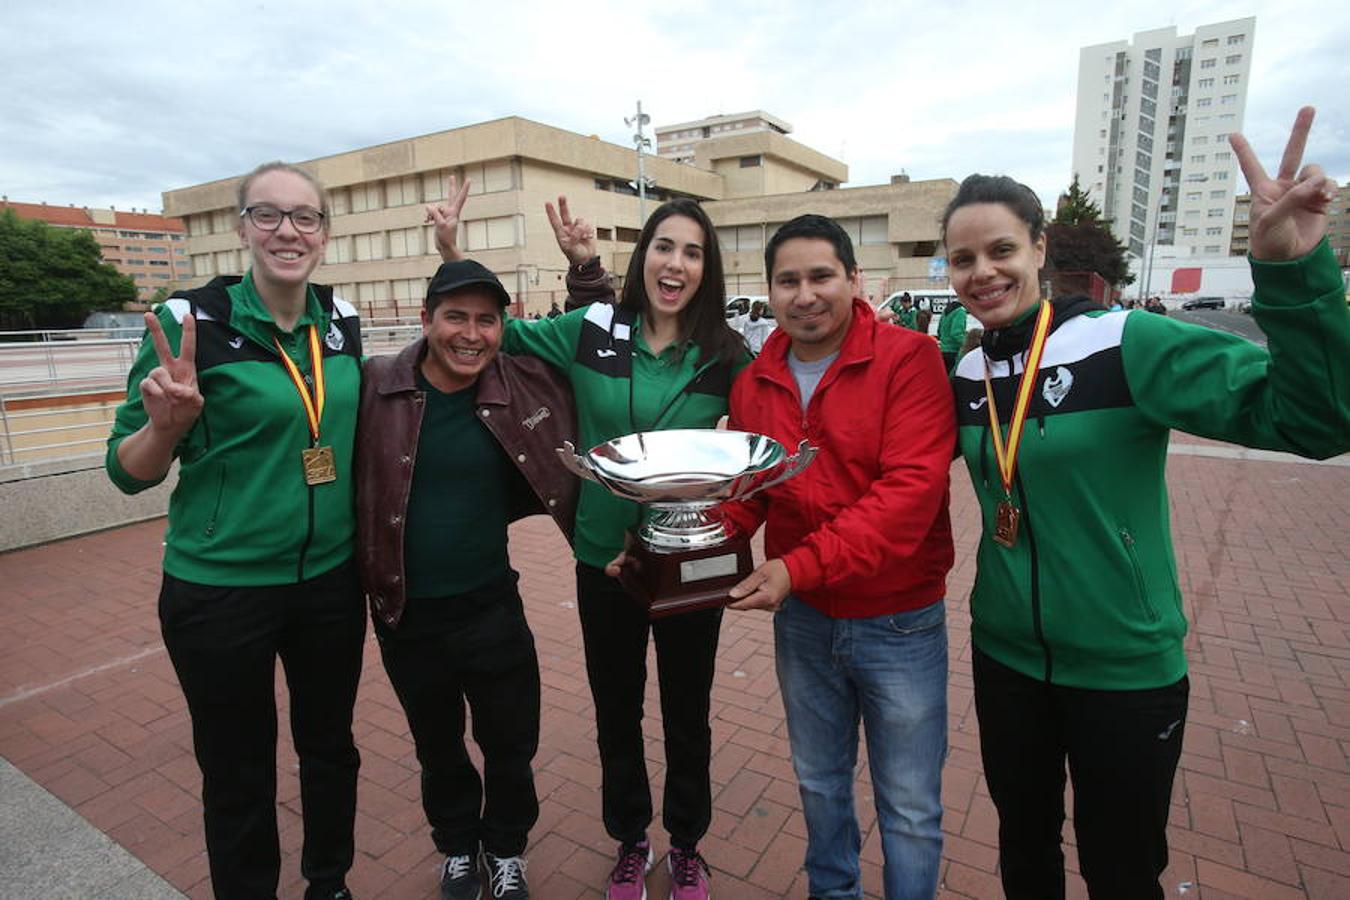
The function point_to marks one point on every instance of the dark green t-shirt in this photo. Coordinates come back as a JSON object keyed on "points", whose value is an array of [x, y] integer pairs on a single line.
{"points": [[455, 538]]}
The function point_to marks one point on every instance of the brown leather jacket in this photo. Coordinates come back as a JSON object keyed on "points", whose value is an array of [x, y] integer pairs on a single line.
{"points": [[526, 405]]}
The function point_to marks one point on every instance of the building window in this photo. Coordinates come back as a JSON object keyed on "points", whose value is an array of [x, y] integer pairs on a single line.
{"points": [[405, 242], [338, 203], [1232, 79], [1232, 59], [491, 177], [1209, 63], [1228, 99], [1214, 231], [626, 235], [1219, 194], [751, 162], [1200, 140], [1192, 196], [1203, 102], [366, 197], [604, 234], [1210, 42], [339, 250], [366, 247], [490, 234], [1205, 83], [1235, 39], [1215, 213], [1220, 176], [402, 191], [1197, 157]]}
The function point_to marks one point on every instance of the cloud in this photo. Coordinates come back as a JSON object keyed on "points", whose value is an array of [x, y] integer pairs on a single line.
{"points": [[113, 104]]}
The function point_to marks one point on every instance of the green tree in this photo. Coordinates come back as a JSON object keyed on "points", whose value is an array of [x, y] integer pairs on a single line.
{"points": [[54, 277], [1077, 207], [1087, 247]]}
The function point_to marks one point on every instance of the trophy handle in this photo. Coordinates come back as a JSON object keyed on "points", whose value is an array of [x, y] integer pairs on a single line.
{"points": [[790, 467], [576, 463]]}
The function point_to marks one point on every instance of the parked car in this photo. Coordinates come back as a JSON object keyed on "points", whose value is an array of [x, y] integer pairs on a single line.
{"points": [[1204, 303]]}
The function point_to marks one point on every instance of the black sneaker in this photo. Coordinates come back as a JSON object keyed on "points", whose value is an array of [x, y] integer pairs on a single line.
{"points": [[459, 878], [506, 877]]}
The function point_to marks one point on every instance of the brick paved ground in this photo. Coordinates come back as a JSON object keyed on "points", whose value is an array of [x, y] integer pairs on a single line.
{"points": [[90, 709]]}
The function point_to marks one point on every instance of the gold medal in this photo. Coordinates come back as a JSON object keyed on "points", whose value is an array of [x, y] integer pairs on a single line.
{"points": [[1006, 518], [320, 466]]}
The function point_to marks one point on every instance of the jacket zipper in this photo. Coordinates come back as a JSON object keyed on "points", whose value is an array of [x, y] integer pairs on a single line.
{"points": [[1128, 540], [215, 510], [309, 535], [1035, 582]]}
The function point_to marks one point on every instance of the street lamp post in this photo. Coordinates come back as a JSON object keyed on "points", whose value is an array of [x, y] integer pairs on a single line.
{"points": [[640, 142]]}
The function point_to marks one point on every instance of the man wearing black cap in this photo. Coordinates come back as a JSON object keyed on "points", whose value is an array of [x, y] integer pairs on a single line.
{"points": [[453, 443]]}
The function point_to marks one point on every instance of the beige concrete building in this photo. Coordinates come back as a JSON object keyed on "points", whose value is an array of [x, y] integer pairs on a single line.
{"points": [[678, 142], [380, 253], [148, 247]]}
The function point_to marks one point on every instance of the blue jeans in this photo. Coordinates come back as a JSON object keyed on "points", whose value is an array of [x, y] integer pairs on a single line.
{"points": [[890, 672]]}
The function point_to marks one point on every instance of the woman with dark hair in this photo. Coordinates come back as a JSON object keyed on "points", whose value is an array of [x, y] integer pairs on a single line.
{"points": [[663, 357], [252, 385], [1077, 615]]}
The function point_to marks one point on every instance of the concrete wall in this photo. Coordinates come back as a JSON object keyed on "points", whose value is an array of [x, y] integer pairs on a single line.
{"points": [[62, 498]]}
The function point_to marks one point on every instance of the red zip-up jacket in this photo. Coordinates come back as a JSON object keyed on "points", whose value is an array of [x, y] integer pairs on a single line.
{"points": [[864, 530]]}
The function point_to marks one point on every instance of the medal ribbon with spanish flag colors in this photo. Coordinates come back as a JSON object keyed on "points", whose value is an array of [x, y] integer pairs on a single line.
{"points": [[313, 406], [1005, 451]]}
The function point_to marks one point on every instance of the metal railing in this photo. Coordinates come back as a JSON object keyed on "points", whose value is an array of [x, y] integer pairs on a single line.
{"points": [[58, 395]]}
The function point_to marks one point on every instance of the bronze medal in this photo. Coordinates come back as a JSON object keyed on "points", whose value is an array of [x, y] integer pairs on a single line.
{"points": [[1006, 518], [320, 466]]}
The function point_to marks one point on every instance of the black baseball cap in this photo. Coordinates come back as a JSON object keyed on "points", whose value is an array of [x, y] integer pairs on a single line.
{"points": [[462, 273]]}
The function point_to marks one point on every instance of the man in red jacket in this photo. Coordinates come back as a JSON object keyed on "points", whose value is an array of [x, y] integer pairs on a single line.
{"points": [[858, 550]]}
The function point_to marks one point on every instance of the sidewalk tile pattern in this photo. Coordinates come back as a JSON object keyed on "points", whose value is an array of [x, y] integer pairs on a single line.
{"points": [[90, 709]]}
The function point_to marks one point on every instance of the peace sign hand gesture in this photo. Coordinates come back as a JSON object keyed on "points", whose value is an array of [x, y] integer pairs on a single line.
{"points": [[169, 392], [576, 237], [1289, 211], [446, 217]]}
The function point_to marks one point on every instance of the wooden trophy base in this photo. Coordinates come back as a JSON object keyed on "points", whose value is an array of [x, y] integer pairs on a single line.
{"points": [[685, 580]]}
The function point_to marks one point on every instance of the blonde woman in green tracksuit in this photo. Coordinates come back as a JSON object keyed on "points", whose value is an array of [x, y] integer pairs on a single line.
{"points": [[1077, 612], [251, 384]]}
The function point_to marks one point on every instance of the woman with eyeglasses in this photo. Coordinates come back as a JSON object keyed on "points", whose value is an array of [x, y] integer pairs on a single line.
{"points": [[251, 384]]}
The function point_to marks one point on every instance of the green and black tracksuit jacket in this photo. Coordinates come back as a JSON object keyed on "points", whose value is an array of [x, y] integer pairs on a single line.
{"points": [[621, 387], [1088, 595], [241, 513]]}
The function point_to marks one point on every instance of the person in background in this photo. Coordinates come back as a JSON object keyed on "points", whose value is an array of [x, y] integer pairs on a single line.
{"points": [[252, 385], [1078, 622], [758, 326], [951, 332], [903, 309]]}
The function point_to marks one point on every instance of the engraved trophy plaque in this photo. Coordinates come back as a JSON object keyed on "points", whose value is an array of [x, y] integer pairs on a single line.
{"points": [[682, 558]]}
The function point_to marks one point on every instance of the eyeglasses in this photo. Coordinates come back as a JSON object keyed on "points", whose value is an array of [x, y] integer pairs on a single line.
{"points": [[306, 219]]}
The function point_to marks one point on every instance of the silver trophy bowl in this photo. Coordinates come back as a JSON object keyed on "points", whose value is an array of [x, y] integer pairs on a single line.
{"points": [[680, 474]]}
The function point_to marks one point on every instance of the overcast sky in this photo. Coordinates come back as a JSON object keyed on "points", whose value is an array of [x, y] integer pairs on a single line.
{"points": [[111, 103]]}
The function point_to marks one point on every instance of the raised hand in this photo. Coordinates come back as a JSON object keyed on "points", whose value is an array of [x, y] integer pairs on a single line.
{"points": [[576, 237], [169, 392], [446, 217], [1289, 211]]}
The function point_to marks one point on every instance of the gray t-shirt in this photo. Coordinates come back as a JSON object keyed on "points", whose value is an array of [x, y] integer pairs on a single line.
{"points": [[808, 374]]}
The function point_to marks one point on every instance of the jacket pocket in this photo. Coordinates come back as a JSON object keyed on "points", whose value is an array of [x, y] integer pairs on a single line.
{"points": [[1137, 573], [210, 528]]}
